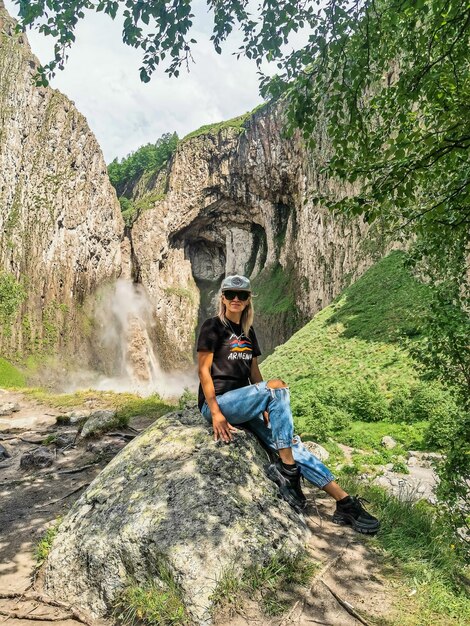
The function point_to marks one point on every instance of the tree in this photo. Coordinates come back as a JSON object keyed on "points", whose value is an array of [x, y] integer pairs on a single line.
{"points": [[162, 28], [390, 78], [148, 158]]}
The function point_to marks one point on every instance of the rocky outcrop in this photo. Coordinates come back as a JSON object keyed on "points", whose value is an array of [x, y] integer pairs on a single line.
{"points": [[171, 499], [60, 222], [242, 200]]}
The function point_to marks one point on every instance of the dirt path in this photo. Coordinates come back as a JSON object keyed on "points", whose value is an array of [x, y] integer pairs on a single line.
{"points": [[33, 499], [349, 575]]}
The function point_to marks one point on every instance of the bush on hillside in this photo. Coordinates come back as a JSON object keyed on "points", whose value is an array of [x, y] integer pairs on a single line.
{"points": [[424, 399], [369, 403], [319, 419], [400, 409], [444, 422], [311, 416]]}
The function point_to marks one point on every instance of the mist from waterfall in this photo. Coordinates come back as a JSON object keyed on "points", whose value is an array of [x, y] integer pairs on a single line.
{"points": [[124, 327]]}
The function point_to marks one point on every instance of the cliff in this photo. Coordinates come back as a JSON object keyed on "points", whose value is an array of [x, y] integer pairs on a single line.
{"points": [[241, 198], [235, 197], [60, 222]]}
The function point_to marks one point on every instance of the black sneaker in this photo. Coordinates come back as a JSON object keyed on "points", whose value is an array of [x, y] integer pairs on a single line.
{"points": [[353, 513], [289, 484]]}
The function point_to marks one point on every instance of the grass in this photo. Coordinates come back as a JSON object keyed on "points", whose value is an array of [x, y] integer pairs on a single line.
{"points": [[269, 584], [52, 438], [10, 376], [368, 435], [154, 602], [45, 544], [274, 293], [126, 405], [348, 364], [420, 553]]}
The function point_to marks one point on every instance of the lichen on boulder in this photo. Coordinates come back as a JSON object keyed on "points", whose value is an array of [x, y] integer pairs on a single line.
{"points": [[174, 496]]}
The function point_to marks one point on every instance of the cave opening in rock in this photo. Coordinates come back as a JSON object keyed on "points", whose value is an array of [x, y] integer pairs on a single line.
{"points": [[224, 240]]}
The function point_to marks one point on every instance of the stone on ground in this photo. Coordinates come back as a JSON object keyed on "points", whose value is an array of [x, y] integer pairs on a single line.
{"points": [[74, 417], [7, 408], [388, 442], [318, 450], [172, 495], [4, 454], [37, 459], [98, 422]]}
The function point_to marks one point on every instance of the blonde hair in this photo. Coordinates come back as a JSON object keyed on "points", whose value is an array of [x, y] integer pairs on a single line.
{"points": [[247, 318]]}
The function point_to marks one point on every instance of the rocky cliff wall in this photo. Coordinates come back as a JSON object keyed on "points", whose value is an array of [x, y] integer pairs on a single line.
{"points": [[60, 222], [241, 200]]}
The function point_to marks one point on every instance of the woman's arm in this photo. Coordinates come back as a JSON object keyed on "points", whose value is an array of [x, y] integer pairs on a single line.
{"points": [[220, 425], [255, 374]]}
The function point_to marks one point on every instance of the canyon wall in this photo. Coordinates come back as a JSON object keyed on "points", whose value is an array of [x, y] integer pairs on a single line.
{"points": [[60, 221], [235, 198], [241, 199]]}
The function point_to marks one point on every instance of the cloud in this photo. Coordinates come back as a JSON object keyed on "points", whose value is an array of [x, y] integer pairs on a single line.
{"points": [[102, 78]]}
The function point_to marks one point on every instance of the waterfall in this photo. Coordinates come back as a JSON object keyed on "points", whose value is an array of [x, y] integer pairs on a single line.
{"points": [[124, 328]]}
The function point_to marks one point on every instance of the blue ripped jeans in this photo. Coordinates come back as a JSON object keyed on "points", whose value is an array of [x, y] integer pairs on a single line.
{"points": [[246, 406]]}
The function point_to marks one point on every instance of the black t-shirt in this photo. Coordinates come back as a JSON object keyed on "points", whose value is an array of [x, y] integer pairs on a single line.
{"points": [[233, 353]]}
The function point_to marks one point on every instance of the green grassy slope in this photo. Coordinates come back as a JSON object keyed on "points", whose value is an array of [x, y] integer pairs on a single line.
{"points": [[347, 364], [10, 376]]}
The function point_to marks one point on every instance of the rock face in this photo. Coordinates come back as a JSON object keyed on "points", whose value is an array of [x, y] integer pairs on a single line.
{"points": [[60, 222], [239, 199], [244, 202], [171, 497]]}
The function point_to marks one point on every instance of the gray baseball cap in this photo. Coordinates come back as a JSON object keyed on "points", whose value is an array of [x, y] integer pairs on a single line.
{"points": [[240, 283]]}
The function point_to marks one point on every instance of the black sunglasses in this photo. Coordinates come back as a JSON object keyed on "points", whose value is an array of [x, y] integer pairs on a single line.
{"points": [[241, 295]]}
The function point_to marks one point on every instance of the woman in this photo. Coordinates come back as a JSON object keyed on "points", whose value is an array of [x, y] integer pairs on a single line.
{"points": [[232, 392]]}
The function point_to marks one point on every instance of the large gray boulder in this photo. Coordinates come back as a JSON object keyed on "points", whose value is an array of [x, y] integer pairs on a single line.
{"points": [[174, 496]]}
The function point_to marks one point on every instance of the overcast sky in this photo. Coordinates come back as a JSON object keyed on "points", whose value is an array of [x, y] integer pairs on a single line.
{"points": [[102, 78]]}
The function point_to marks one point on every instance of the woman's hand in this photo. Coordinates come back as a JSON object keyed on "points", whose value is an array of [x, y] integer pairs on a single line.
{"points": [[222, 428], [266, 418]]}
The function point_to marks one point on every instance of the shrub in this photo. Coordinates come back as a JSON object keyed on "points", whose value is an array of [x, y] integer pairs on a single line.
{"points": [[187, 398], [339, 418], [444, 422], [400, 409], [369, 403], [316, 420], [424, 399]]}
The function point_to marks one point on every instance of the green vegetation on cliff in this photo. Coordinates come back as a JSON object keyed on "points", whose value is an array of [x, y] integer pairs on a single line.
{"points": [[149, 158], [273, 290], [212, 129], [348, 364], [12, 294]]}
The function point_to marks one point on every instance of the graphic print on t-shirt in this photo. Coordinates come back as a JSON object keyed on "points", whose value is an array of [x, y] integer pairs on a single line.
{"points": [[240, 348]]}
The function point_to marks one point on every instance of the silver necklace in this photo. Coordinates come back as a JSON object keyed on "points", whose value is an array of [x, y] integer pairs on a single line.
{"points": [[231, 328]]}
